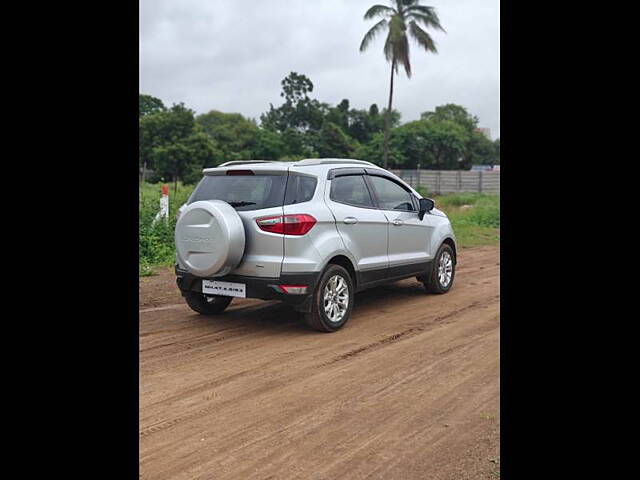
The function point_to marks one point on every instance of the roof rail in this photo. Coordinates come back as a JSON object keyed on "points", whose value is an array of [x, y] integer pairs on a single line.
{"points": [[244, 162], [330, 161]]}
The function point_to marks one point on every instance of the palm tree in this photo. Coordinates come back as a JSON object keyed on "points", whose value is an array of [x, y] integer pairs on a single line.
{"points": [[404, 15]]}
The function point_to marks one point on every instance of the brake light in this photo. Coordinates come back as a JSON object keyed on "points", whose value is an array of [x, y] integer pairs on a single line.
{"points": [[240, 172], [297, 224]]}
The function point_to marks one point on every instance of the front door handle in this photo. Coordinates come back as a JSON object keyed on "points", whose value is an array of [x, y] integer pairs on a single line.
{"points": [[397, 221], [350, 220]]}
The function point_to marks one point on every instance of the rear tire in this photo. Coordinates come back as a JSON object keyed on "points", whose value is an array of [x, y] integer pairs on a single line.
{"points": [[443, 271], [207, 304], [332, 300]]}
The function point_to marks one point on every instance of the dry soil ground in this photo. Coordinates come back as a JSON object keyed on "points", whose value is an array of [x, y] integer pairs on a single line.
{"points": [[408, 389]]}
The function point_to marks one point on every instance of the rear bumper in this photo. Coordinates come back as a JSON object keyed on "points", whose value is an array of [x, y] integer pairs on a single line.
{"points": [[259, 287]]}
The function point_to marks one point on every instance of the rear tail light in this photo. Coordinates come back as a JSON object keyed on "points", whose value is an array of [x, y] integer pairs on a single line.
{"points": [[298, 224]]}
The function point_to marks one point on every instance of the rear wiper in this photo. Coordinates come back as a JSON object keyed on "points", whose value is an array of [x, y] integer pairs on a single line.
{"points": [[241, 204]]}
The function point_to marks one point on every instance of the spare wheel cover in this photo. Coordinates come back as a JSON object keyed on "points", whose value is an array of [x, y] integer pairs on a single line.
{"points": [[209, 238]]}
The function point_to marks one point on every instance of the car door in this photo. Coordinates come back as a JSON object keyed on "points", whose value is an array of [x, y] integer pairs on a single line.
{"points": [[362, 227], [409, 237]]}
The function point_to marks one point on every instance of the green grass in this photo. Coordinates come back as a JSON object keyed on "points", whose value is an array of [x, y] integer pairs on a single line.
{"points": [[145, 270], [155, 240], [475, 218]]}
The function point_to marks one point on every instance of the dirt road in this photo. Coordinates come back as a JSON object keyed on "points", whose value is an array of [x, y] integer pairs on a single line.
{"points": [[408, 389]]}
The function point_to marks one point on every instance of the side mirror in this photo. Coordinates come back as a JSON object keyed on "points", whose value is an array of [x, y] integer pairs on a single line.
{"points": [[426, 205]]}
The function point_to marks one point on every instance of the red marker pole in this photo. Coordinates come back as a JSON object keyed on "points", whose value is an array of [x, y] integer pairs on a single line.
{"points": [[164, 204]]}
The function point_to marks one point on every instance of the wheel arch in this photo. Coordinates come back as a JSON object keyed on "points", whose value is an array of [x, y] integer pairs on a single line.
{"points": [[451, 242], [346, 263]]}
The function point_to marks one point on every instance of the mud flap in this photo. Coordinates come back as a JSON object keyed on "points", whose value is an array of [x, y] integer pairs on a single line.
{"points": [[423, 277], [304, 307]]}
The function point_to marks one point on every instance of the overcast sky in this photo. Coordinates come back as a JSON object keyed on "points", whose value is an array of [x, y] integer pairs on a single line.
{"points": [[231, 56]]}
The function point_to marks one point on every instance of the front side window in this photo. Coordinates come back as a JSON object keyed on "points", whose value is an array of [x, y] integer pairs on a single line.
{"points": [[352, 190], [390, 195]]}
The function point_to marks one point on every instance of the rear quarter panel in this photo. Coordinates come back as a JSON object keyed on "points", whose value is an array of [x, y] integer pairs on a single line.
{"points": [[312, 252], [263, 251]]}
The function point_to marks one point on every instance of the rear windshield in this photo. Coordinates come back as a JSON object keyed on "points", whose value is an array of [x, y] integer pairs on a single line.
{"points": [[243, 192]]}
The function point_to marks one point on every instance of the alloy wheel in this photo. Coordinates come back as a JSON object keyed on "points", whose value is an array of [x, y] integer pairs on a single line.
{"points": [[336, 298], [445, 269]]}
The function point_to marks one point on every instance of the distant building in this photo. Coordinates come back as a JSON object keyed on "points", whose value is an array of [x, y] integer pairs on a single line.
{"points": [[485, 131]]}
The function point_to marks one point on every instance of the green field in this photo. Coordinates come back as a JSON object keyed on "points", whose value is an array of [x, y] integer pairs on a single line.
{"points": [[156, 245], [475, 218]]}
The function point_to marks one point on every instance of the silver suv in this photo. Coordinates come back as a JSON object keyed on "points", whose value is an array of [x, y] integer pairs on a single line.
{"points": [[311, 233]]}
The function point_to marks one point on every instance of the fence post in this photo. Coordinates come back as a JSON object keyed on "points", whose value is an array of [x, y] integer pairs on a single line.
{"points": [[480, 182], [459, 181], [438, 174]]}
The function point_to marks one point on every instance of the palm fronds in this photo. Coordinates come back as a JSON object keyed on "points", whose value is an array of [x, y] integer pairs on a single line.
{"points": [[372, 33], [422, 38], [378, 10], [408, 15]]}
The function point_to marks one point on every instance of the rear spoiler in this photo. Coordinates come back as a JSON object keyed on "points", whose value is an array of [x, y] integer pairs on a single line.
{"points": [[260, 171]]}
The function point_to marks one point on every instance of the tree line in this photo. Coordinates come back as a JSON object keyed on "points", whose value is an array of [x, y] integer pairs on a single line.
{"points": [[176, 143]]}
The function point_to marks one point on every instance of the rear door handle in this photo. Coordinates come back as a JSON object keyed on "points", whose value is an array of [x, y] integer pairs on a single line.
{"points": [[350, 220], [397, 221]]}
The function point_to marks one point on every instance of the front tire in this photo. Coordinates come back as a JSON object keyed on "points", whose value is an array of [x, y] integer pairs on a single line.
{"points": [[443, 271], [207, 304], [332, 300]]}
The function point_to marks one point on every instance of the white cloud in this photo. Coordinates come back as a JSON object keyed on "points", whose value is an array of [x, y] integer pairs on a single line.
{"points": [[231, 56]]}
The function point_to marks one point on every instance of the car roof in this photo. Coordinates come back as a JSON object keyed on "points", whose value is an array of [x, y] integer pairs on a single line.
{"points": [[266, 165], [313, 166]]}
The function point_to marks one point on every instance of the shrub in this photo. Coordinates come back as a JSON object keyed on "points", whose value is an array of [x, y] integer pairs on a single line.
{"points": [[485, 216], [155, 239]]}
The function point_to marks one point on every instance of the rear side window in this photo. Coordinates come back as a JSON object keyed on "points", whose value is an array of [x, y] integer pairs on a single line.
{"points": [[391, 196], [300, 189], [352, 190], [243, 192]]}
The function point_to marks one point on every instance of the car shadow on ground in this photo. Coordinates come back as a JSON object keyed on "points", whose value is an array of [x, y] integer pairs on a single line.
{"points": [[276, 316]]}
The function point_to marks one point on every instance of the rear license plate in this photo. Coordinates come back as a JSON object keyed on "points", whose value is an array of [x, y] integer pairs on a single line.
{"points": [[227, 289]]}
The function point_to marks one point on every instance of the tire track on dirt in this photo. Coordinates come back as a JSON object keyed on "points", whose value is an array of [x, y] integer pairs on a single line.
{"points": [[272, 311], [309, 421], [405, 334], [409, 332], [192, 344], [256, 394]]}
